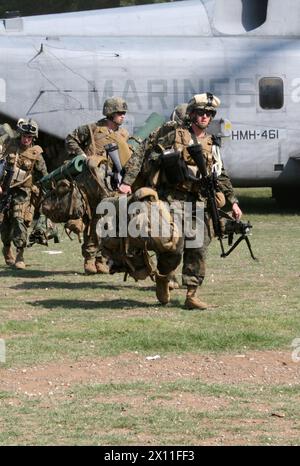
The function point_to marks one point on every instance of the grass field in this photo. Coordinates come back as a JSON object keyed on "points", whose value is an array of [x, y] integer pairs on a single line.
{"points": [[77, 373]]}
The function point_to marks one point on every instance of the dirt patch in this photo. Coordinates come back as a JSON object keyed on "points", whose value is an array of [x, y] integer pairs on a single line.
{"points": [[181, 401], [257, 367]]}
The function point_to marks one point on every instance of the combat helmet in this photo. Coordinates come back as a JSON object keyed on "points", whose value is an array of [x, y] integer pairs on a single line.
{"points": [[114, 105], [179, 114], [28, 127], [205, 101]]}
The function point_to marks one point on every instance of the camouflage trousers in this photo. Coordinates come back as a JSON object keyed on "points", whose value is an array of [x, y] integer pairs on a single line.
{"points": [[194, 259], [17, 219], [90, 245]]}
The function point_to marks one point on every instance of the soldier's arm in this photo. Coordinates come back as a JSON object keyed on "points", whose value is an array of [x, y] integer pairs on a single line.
{"points": [[40, 168], [133, 166], [78, 140], [226, 187]]}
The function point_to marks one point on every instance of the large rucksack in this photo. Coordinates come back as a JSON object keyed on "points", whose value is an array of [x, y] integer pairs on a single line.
{"points": [[72, 199], [64, 202], [130, 254]]}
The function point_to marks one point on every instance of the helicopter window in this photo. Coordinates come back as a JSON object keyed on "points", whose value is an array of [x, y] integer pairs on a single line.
{"points": [[271, 93]]}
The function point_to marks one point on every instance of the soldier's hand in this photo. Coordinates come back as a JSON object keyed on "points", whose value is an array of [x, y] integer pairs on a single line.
{"points": [[237, 213], [124, 189]]}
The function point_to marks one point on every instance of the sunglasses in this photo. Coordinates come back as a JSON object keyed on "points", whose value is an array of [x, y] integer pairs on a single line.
{"points": [[120, 113], [202, 112]]}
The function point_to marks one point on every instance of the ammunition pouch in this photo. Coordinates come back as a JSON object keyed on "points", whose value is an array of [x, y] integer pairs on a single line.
{"points": [[174, 167], [19, 176]]}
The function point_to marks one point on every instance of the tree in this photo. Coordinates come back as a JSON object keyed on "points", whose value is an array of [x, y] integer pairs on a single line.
{"points": [[31, 7]]}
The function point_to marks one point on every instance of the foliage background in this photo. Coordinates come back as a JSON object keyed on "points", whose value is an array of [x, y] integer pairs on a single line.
{"points": [[31, 7]]}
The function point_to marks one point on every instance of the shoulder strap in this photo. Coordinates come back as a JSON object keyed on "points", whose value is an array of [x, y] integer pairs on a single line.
{"points": [[92, 139]]}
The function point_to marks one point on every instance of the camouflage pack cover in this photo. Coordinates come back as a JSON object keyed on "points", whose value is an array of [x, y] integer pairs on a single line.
{"points": [[64, 202], [70, 200], [130, 254]]}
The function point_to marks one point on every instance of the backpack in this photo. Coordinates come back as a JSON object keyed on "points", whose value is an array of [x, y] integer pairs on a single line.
{"points": [[64, 202], [130, 254]]}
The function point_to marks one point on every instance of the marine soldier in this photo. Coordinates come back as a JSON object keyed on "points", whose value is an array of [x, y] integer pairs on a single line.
{"points": [[24, 161], [91, 140], [135, 177], [201, 110]]}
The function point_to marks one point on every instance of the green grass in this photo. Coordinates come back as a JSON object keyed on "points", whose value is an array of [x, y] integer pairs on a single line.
{"points": [[244, 414], [51, 312]]}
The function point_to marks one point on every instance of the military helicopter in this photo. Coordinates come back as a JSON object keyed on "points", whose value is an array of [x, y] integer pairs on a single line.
{"points": [[59, 68]]}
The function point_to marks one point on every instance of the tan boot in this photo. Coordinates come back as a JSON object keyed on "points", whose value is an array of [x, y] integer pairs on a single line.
{"points": [[101, 265], [162, 288], [8, 255], [90, 267], [20, 264], [173, 282], [192, 302]]}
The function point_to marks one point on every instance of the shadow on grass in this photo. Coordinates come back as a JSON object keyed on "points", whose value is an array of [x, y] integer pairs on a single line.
{"points": [[86, 305], [251, 204], [101, 285], [64, 285], [32, 273]]}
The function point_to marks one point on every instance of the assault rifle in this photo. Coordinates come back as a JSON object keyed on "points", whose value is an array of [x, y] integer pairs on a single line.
{"points": [[222, 229], [6, 173]]}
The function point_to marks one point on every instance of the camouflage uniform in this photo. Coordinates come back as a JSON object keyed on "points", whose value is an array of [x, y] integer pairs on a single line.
{"points": [[179, 137], [194, 259], [89, 140], [17, 219], [137, 167]]}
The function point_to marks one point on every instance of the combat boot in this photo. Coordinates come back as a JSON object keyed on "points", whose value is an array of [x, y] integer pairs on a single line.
{"points": [[162, 288], [191, 301], [173, 282], [20, 264], [8, 255], [90, 267], [101, 265]]}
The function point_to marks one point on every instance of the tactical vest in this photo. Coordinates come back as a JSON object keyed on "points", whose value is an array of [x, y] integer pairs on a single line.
{"points": [[180, 139], [101, 136], [183, 138], [24, 161]]}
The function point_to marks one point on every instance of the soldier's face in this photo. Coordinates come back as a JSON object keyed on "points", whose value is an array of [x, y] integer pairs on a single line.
{"points": [[201, 119], [119, 118], [26, 140]]}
